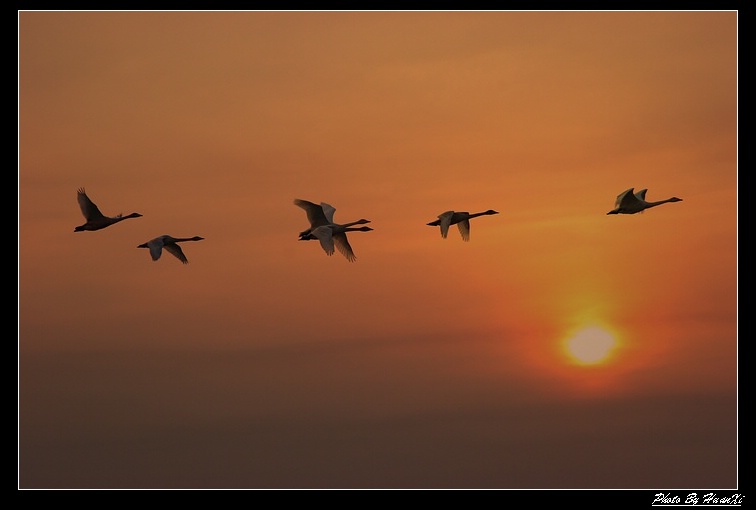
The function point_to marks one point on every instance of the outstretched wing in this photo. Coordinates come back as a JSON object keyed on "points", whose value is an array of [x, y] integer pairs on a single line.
{"points": [[88, 208], [464, 229], [444, 221], [156, 247], [315, 214], [175, 250], [325, 236], [328, 211], [624, 197], [628, 201], [342, 244]]}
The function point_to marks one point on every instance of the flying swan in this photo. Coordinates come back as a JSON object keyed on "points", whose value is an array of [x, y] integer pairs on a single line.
{"points": [[332, 236], [95, 219], [170, 244], [630, 203], [460, 218]]}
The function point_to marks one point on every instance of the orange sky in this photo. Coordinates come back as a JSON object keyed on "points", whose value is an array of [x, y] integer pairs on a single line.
{"points": [[211, 123]]}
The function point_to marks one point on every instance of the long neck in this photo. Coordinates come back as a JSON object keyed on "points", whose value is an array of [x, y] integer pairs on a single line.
{"points": [[660, 202], [358, 222], [122, 217]]}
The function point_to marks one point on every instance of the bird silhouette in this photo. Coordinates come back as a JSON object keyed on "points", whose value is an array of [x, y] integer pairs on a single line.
{"points": [[95, 219], [459, 218], [629, 202], [331, 235], [170, 244]]}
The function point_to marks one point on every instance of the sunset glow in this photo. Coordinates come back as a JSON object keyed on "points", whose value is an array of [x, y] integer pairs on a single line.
{"points": [[590, 345], [556, 347]]}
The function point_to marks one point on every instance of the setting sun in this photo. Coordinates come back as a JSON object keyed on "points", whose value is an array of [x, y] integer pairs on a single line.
{"points": [[590, 346]]}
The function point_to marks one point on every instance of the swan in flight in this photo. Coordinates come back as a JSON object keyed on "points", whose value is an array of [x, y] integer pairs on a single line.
{"points": [[170, 244], [629, 202], [317, 215], [332, 236], [95, 219], [460, 218]]}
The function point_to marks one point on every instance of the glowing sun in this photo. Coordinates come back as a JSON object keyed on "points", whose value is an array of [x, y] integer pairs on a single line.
{"points": [[590, 346]]}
